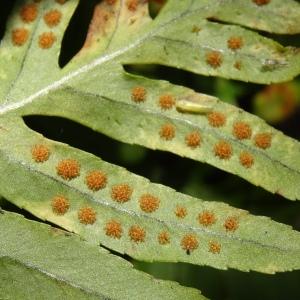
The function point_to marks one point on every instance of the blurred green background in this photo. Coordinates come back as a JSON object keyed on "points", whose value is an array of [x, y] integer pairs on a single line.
{"points": [[278, 104]]}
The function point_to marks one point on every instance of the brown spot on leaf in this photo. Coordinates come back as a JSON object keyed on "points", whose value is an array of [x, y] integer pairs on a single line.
{"points": [[180, 212], [242, 130], [223, 150], [166, 101], [164, 238], [137, 234], [196, 29], [263, 140], [19, 36], [113, 229], [46, 40], [261, 2], [235, 43], [96, 180], [132, 5], [246, 159], [214, 247], [149, 203], [207, 218], [29, 12], [110, 2], [52, 17], [40, 153], [231, 224], [121, 193], [87, 215], [189, 243], [60, 205], [138, 94], [68, 169], [193, 139], [238, 65], [216, 119], [167, 132], [214, 59]]}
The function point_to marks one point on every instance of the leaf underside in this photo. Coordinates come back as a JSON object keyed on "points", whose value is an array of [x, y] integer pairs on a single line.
{"points": [[251, 243], [94, 89], [51, 264]]}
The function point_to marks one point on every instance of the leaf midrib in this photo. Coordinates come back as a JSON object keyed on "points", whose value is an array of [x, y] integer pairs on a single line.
{"points": [[214, 131], [51, 275], [139, 216], [95, 63]]}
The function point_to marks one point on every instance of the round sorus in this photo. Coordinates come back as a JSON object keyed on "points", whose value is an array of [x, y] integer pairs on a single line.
{"points": [[196, 29], [246, 159], [46, 40], [263, 140], [132, 5], [214, 59], [121, 193], [138, 94], [238, 65], [68, 169], [110, 2], [223, 150], [149, 203], [189, 243], [166, 101], [214, 247], [193, 139], [29, 12], [52, 17], [216, 119], [206, 218], [113, 229], [40, 153], [261, 2], [242, 130], [87, 215], [60, 205], [235, 42], [167, 132], [163, 238], [137, 234], [231, 224], [19, 36], [180, 212], [96, 180]]}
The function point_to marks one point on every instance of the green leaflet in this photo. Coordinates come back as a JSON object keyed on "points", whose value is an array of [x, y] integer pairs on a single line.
{"points": [[51, 264], [93, 89], [278, 16], [220, 236], [276, 168], [100, 80]]}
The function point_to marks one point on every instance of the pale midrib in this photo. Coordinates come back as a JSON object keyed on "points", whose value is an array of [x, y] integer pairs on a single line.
{"points": [[206, 129], [97, 62], [167, 223], [52, 276]]}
